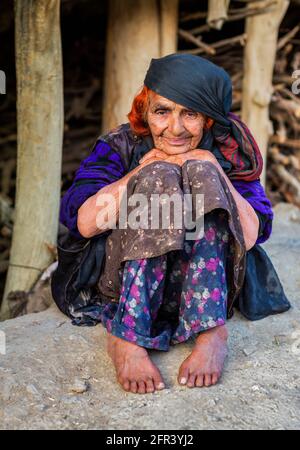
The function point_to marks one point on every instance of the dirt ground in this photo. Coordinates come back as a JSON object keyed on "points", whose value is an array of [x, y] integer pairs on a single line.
{"points": [[55, 375]]}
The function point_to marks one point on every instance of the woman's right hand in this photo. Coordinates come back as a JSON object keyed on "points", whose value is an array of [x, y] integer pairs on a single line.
{"points": [[153, 155]]}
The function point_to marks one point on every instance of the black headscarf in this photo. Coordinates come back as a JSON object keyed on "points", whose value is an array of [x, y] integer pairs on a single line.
{"points": [[193, 82]]}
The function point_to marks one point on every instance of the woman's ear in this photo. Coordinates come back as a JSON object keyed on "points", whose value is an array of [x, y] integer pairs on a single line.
{"points": [[208, 123]]}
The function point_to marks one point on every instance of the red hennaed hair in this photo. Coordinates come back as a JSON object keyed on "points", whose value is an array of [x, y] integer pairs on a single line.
{"points": [[137, 116]]}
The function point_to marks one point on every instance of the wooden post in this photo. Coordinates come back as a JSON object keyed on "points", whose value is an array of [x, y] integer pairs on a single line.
{"points": [[168, 27], [138, 30], [132, 40], [259, 59], [217, 13], [40, 133]]}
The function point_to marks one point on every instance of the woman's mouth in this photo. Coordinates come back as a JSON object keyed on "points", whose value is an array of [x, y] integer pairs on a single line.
{"points": [[177, 141]]}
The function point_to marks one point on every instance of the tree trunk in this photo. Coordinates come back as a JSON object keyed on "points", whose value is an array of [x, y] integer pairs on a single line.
{"points": [[259, 60], [217, 13], [168, 26], [40, 133], [132, 40], [138, 30]]}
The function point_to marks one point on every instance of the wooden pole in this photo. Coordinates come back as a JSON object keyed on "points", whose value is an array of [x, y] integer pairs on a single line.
{"points": [[133, 38], [259, 60], [217, 13], [40, 133], [168, 26], [149, 30]]}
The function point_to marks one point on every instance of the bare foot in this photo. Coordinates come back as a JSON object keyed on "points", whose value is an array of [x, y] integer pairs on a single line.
{"points": [[135, 370], [204, 365]]}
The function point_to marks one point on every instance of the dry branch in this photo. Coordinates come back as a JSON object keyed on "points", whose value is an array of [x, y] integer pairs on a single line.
{"points": [[241, 39], [196, 41]]}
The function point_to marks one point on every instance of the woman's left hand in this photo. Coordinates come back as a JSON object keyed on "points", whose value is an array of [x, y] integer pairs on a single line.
{"points": [[179, 159], [197, 154], [154, 154]]}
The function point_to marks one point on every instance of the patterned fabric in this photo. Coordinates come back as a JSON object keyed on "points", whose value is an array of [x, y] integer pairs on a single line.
{"points": [[230, 145], [235, 149], [170, 298]]}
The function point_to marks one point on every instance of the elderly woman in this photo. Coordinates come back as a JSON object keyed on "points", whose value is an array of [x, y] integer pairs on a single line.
{"points": [[156, 287]]}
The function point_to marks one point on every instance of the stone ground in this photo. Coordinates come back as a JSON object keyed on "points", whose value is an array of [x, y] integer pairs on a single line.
{"points": [[47, 360]]}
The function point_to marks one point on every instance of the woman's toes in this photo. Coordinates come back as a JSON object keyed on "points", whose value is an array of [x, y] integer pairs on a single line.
{"points": [[207, 380], [158, 383], [183, 376], [199, 381], [122, 381], [214, 378], [133, 387], [191, 381], [141, 387], [126, 385], [149, 386]]}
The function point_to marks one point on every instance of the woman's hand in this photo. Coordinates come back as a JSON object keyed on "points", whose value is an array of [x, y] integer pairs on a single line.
{"points": [[179, 159], [197, 154], [153, 155]]}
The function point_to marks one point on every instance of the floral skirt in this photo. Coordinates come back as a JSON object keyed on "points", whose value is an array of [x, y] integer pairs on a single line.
{"points": [[170, 298]]}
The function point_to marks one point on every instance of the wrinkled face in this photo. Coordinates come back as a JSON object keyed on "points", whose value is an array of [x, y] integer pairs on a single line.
{"points": [[174, 128]]}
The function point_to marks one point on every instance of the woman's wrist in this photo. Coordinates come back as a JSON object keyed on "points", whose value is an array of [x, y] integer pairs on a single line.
{"points": [[248, 217]]}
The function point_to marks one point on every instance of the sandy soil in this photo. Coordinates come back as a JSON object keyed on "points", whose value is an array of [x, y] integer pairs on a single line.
{"points": [[55, 375]]}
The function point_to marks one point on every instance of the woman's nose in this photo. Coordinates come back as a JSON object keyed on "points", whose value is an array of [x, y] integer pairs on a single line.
{"points": [[176, 126]]}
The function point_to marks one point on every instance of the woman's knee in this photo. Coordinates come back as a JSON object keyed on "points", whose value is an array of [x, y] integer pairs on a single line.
{"points": [[158, 177], [201, 167]]}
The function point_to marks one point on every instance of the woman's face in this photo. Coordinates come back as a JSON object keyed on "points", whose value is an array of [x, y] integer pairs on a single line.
{"points": [[175, 129]]}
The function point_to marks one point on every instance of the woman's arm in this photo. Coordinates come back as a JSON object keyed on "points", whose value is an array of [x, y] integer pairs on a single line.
{"points": [[90, 222], [255, 194], [102, 167], [248, 217], [87, 222]]}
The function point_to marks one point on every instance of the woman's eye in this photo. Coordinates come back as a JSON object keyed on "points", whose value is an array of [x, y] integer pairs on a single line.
{"points": [[160, 112], [191, 114]]}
